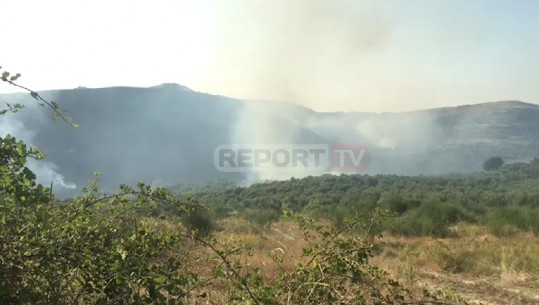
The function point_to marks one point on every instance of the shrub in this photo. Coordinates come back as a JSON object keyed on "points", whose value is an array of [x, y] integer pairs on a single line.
{"points": [[199, 221], [493, 163], [261, 218], [506, 221], [431, 218]]}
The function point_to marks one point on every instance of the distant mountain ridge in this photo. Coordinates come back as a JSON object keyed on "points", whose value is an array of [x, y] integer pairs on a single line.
{"points": [[168, 133]]}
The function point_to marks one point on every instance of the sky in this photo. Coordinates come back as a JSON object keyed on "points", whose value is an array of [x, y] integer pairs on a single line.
{"points": [[329, 55]]}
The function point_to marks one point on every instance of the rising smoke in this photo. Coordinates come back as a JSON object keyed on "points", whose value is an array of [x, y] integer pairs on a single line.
{"points": [[313, 53], [12, 123]]}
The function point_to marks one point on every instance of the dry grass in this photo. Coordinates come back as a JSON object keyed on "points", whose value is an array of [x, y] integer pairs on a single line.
{"points": [[473, 263], [272, 251], [481, 266]]}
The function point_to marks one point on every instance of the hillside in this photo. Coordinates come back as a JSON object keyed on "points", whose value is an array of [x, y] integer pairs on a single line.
{"points": [[167, 134]]}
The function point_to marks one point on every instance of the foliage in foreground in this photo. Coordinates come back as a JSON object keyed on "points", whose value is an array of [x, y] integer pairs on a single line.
{"points": [[111, 249], [94, 249]]}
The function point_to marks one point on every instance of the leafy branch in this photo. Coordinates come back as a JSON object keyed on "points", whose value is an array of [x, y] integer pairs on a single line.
{"points": [[58, 113]]}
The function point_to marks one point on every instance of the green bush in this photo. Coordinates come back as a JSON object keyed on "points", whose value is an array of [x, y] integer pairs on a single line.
{"points": [[261, 218], [505, 221], [431, 218], [199, 221], [398, 204]]}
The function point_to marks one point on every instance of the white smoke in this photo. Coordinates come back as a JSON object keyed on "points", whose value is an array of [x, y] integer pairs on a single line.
{"points": [[46, 172], [306, 52], [371, 131], [316, 53], [268, 123]]}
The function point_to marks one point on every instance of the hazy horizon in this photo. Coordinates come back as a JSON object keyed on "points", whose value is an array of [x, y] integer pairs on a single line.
{"points": [[363, 56], [248, 101]]}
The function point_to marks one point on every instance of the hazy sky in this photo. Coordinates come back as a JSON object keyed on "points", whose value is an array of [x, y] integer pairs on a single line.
{"points": [[330, 55]]}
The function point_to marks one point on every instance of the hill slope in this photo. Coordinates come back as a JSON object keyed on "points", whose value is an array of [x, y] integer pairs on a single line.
{"points": [[168, 133]]}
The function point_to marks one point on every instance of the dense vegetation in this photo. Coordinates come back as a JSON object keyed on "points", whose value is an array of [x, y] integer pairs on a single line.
{"points": [[504, 200]]}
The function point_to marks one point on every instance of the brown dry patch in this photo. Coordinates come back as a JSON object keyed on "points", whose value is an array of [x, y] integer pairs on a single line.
{"points": [[474, 264]]}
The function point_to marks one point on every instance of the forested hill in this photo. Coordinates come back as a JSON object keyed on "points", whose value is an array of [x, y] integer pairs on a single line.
{"points": [[167, 134]]}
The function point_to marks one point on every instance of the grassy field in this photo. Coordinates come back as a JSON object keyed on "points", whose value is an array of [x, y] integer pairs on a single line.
{"points": [[473, 263]]}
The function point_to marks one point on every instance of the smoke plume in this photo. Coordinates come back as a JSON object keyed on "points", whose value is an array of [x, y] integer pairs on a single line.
{"points": [[315, 53], [12, 123]]}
